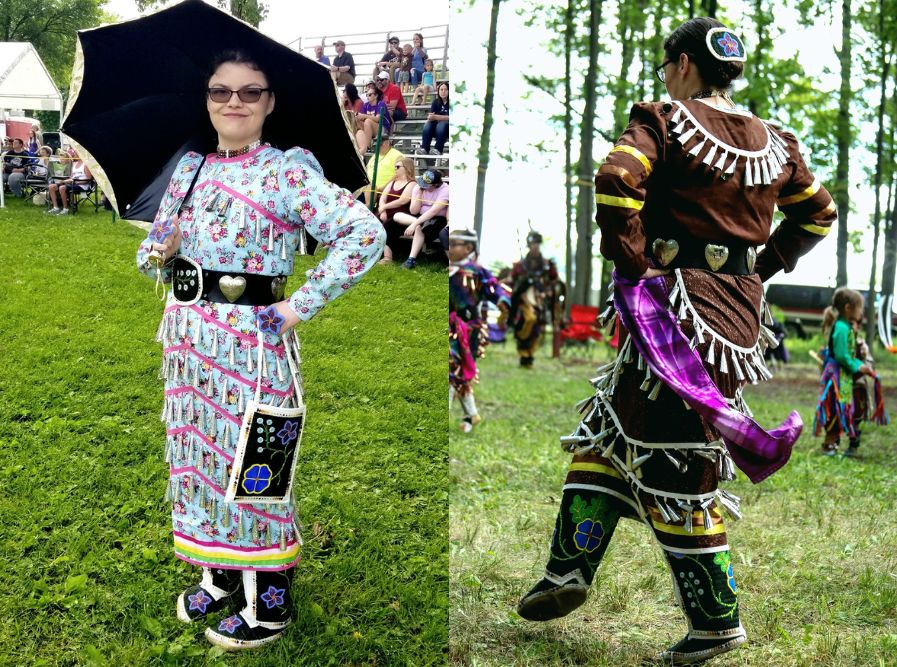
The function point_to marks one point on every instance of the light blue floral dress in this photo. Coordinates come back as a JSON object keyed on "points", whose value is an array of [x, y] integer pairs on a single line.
{"points": [[246, 215]]}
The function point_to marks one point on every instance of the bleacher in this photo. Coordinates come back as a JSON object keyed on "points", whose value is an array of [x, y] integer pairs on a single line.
{"points": [[366, 50]]}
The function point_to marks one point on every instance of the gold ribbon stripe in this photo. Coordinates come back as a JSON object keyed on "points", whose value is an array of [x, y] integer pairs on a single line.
{"points": [[636, 153], [623, 174], [800, 196], [619, 202]]}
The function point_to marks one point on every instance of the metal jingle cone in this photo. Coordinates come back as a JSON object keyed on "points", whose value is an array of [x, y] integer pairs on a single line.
{"points": [[249, 365], [231, 353], [242, 222], [258, 229], [283, 247], [214, 352], [197, 335], [241, 533], [283, 538], [226, 519], [254, 531], [280, 377], [268, 530], [240, 404], [303, 248], [270, 247]]}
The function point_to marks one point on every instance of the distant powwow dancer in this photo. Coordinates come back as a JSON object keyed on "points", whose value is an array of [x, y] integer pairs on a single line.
{"points": [[534, 278], [684, 198], [470, 287]]}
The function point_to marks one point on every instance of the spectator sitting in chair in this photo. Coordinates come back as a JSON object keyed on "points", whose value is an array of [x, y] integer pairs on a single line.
{"points": [[390, 60], [393, 97], [15, 166], [319, 55], [428, 214], [61, 189], [389, 156], [437, 124], [396, 199]]}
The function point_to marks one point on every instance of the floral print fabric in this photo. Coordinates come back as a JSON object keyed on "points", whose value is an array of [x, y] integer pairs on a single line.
{"points": [[245, 215]]}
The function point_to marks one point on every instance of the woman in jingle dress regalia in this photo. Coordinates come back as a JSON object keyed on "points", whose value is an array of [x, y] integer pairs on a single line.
{"points": [[243, 222], [684, 198]]}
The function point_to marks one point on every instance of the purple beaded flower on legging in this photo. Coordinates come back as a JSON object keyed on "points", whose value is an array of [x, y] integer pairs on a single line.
{"points": [[273, 597], [288, 433]]}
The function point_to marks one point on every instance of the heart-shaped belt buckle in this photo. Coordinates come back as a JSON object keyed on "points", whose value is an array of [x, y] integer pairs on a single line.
{"points": [[232, 287], [665, 251], [278, 285], [716, 255]]}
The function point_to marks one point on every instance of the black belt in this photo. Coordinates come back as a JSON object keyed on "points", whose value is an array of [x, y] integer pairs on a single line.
{"points": [[737, 260], [243, 289]]}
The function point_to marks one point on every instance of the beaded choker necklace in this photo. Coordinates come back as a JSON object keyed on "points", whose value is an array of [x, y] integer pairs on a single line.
{"points": [[711, 92], [236, 152]]}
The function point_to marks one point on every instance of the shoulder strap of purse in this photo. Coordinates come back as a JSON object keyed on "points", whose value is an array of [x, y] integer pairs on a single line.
{"points": [[192, 185]]}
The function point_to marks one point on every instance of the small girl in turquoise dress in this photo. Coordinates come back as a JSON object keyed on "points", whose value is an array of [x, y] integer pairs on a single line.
{"points": [[843, 404]]}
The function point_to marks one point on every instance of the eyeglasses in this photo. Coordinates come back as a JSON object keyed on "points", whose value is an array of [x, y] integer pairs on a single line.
{"points": [[246, 95], [661, 72]]}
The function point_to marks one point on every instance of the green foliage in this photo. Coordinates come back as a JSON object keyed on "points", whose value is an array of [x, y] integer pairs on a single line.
{"points": [[50, 26], [89, 577]]}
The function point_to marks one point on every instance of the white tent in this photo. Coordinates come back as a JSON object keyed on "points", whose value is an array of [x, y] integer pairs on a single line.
{"points": [[25, 82]]}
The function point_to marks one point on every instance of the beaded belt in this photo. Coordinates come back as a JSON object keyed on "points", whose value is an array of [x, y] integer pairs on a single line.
{"points": [[191, 283], [735, 260]]}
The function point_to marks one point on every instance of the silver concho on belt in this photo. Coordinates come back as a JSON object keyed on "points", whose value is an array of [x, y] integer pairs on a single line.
{"points": [[186, 280]]}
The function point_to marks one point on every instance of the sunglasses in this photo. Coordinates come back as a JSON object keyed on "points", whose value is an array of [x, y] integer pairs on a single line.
{"points": [[660, 72], [246, 95]]}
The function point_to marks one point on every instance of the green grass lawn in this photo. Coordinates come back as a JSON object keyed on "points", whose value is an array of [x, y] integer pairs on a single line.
{"points": [[814, 556], [88, 576]]}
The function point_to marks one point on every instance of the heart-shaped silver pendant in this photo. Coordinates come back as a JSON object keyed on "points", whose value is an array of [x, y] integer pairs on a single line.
{"points": [[751, 259], [716, 255], [278, 285], [665, 251], [232, 287]]}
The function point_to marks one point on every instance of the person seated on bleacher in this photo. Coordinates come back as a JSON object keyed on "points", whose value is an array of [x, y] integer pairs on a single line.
{"points": [[367, 120], [427, 84], [418, 58], [343, 68], [427, 215], [437, 124], [396, 198], [390, 60], [7, 144], [385, 168], [81, 181], [319, 55], [15, 166], [393, 97], [351, 101]]}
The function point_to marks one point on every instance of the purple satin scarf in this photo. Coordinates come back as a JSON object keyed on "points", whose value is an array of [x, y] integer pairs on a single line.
{"points": [[644, 310]]}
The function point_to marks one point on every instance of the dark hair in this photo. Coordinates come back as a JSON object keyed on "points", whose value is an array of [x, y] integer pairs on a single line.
{"points": [[352, 92], [691, 38], [448, 88], [377, 92], [237, 57]]}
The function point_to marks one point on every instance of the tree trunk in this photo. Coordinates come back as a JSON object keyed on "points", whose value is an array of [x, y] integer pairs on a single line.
{"points": [[842, 172], [889, 266], [585, 223], [483, 154], [885, 65], [568, 150]]}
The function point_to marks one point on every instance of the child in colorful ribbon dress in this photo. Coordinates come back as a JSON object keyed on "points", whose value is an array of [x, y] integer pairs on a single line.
{"points": [[850, 390], [684, 198], [470, 285], [225, 236], [534, 278]]}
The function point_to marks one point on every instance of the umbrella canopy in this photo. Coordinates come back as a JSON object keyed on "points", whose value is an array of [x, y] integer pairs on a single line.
{"points": [[138, 101]]}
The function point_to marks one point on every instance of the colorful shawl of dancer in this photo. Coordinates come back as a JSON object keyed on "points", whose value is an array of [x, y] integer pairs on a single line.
{"points": [[656, 334]]}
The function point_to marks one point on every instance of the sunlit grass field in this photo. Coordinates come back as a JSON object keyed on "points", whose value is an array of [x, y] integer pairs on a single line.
{"points": [[814, 556], [88, 576]]}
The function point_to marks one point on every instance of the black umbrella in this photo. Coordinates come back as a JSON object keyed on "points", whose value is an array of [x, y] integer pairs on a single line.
{"points": [[138, 101]]}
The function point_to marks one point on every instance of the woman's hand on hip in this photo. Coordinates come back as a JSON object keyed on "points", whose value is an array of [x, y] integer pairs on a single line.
{"points": [[277, 319]]}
